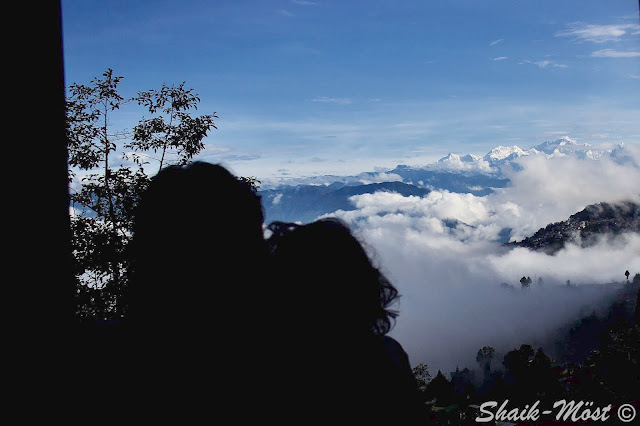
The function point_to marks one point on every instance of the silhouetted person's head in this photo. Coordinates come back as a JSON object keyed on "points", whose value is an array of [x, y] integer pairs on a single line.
{"points": [[328, 280], [197, 248]]}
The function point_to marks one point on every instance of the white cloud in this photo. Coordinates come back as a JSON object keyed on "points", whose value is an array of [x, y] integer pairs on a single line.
{"points": [[455, 162], [441, 252], [560, 66], [599, 263], [598, 33], [304, 2], [326, 99], [542, 64], [610, 53], [549, 190], [494, 42], [500, 58]]}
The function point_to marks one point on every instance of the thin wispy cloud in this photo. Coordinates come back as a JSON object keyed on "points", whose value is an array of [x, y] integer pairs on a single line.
{"points": [[598, 33], [327, 99], [285, 12], [500, 58], [304, 2], [543, 64], [494, 42], [610, 53]]}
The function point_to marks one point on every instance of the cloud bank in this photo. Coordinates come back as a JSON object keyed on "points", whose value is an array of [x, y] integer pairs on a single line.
{"points": [[444, 254]]}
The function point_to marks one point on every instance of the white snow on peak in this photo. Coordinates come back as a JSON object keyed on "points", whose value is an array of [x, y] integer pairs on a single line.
{"points": [[502, 152], [470, 158], [467, 162], [456, 158], [563, 145], [451, 157], [501, 155]]}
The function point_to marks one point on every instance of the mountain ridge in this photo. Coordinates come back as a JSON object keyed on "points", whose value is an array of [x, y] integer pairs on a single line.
{"points": [[470, 164], [305, 203], [304, 199], [585, 227]]}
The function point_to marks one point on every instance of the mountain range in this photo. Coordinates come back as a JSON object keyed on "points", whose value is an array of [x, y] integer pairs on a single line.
{"points": [[304, 199], [502, 155], [304, 203]]}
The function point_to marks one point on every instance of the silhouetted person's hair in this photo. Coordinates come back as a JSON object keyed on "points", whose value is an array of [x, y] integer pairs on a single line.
{"points": [[197, 245], [329, 276], [194, 302], [334, 310]]}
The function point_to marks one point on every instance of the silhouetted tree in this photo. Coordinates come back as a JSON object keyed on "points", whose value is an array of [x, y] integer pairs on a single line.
{"points": [[421, 373], [495, 388], [462, 381], [518, 359], [441, 389], [525, 281], [518, 373], [104, 205], [544, 379], [613, 370], [583, 338], [173, 127], [483, 358], [638, 309]]}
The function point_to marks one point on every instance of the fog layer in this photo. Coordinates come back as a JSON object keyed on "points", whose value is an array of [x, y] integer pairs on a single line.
{"points": [[445, 255]]}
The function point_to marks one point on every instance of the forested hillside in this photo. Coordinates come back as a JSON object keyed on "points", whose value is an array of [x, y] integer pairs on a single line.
{"points": [[586, 227]]}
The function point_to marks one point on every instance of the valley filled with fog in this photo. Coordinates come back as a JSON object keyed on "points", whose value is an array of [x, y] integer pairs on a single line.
{"points": [[444, 250]]}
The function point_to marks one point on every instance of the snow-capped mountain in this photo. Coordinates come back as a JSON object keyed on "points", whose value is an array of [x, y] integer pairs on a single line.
{"points": [[561, 145], [455, 158], [304, 198], [466, 164], [501, 155], [505, 153], [455, 162]]}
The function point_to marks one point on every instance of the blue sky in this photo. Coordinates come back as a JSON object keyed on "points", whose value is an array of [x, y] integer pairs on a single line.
{"points": [[314, 87]]}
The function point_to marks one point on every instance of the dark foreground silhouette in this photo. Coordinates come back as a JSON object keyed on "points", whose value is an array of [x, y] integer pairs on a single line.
{"points": [[195, 311], [339, 365], [198, 253], [195, 306], [220, 323]]}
